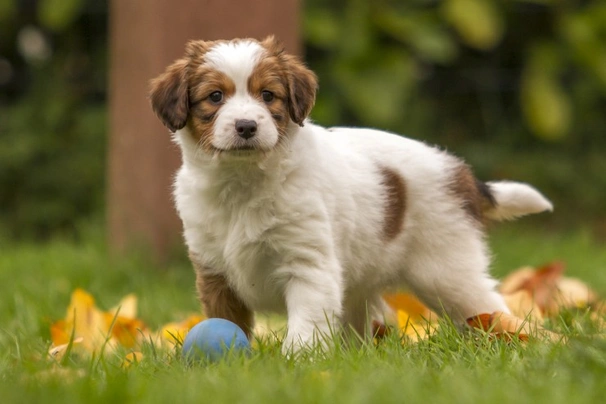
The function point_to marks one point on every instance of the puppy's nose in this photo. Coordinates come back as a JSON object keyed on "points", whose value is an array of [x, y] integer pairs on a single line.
{"points": [[246, 128]]}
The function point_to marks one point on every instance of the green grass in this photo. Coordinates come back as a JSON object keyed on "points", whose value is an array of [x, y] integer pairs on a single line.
{"points": [[36, 282]]}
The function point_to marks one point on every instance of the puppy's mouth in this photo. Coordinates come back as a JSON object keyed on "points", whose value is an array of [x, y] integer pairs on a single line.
{"points": [[237, 145], [237, 148], [240, 148]]}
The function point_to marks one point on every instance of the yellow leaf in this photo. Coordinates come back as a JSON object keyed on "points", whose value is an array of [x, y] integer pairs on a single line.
{"points": [[415, 329], [174, 332], [132, 358], [86, 320], [127, 307]]}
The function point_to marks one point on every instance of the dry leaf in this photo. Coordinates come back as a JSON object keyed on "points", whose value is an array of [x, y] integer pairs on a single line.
{"points": [[514, 280], [415, 320], [95, 329], [127, 307], [126, 331], [86, 321], [175, 332], [549, 290], [415, 328], [57, 352], [522, 305], [132, 358], [574, 293], [408, 303], [506, 326]]}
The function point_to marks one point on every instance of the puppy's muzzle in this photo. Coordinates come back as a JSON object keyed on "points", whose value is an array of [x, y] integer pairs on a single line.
{"points": [[246, 128]]}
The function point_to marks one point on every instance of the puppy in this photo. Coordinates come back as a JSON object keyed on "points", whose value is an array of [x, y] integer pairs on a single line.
{"points": [[280, 214]]}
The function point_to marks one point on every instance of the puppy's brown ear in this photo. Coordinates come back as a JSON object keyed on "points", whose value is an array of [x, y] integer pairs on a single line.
{"points": [[169, 96], [302, 86]]}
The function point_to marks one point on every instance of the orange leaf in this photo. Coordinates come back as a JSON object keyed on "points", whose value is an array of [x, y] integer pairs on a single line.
{"points": [[504, 325], [125, 330], [59, 333], [543, 286]]}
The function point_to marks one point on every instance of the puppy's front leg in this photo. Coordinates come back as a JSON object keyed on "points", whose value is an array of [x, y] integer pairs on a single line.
{"points": [[220, 300], [313, 303]]}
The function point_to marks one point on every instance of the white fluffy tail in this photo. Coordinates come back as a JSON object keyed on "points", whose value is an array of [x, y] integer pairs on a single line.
{"points": [[514, 199]]}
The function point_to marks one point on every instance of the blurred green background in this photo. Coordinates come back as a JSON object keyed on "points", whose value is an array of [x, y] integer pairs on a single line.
{"points": [[517, 88]]}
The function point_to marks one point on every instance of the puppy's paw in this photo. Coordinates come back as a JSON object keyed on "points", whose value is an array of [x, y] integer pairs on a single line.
{"points": [[295, 344]]}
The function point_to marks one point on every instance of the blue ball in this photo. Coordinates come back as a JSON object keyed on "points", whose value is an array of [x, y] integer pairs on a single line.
{"points": [[213, 338]]}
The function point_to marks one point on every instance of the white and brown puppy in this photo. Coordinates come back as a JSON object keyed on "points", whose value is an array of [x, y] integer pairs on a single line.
{"points": [[280, 214]]}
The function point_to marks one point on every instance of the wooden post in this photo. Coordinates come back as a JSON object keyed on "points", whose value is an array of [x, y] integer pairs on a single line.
{"points": [[145, 37]]}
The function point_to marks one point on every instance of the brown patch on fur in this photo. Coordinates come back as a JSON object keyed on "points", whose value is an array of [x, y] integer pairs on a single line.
{"points": [[395, 202], [475, 195], [203, 82], [169, 92], [169, 95], [302, 83], [269, 75], [220, 300]]}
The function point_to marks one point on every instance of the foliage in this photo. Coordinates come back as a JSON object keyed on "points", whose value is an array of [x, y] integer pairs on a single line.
{"points": [[53, 125], [394, 64]]}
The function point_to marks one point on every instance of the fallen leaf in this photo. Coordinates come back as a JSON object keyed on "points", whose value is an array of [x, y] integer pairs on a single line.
{"points": [[415, 328], [85, 320], [507, 326], [132, 358], [175, 332], [408, 303], [574, 293], [549, 289], [57, 352], [127, 307], [514, 280], [126, 331], [522, 305]]}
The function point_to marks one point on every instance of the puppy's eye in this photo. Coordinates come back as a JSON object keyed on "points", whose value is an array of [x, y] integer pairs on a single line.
{"points": [[216, 97], [268, 96]]}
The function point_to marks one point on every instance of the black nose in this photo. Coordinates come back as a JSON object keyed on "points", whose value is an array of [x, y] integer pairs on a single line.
{"points": [[246, 128]]}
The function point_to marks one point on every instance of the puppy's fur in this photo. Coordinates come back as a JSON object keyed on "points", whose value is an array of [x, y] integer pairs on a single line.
{"points": [[281, 214]]}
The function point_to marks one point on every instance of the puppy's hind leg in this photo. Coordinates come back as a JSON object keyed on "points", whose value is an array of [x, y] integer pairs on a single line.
{"points": [[449, 274]]}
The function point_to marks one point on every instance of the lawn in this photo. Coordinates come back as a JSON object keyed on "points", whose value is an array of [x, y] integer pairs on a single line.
{"points": [[36, 282]]}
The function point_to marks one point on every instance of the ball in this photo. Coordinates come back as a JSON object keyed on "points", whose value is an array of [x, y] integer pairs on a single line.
{"points": [[212, 339]]}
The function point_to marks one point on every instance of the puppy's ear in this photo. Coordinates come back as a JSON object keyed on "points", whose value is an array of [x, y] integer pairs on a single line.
{"points": [[169, 95], [302, 86]]}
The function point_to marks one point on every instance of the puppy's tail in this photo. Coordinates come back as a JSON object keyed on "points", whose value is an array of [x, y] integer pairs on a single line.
{"points": [[514, 199]]}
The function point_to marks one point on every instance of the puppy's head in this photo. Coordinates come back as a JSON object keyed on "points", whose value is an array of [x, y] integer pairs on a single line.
{"points": [[234, 95]]}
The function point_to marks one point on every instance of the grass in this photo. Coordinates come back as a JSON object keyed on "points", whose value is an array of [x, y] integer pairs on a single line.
{"points": [[36, 281]]}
